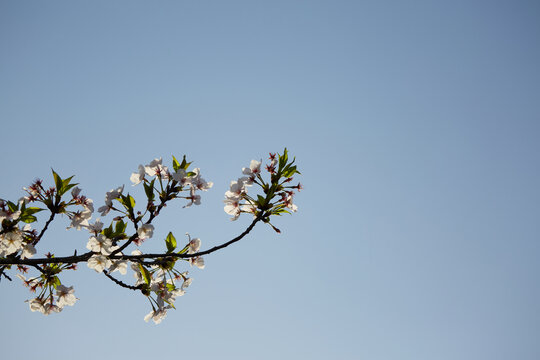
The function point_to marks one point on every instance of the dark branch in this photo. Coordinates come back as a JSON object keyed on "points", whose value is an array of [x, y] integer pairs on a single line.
{"points": [[84, 257], [118, 282], [51, 218]]}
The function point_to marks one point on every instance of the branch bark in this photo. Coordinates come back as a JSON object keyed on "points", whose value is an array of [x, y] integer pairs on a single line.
{"points": [[84, 257]]}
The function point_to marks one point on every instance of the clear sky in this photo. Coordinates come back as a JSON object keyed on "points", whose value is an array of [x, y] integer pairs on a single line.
{"points": [[416, 127]]}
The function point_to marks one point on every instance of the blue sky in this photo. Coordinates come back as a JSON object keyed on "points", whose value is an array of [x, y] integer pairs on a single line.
{"points": [[415, 126]]}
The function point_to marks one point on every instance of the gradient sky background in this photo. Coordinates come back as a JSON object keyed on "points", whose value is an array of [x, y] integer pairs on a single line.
{"points": [[415, 125]]}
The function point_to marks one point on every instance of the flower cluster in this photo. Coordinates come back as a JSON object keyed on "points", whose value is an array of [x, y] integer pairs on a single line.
{"points": [[278, 195], [156, 275], [52, 303], [16, 240], [179, 180]]}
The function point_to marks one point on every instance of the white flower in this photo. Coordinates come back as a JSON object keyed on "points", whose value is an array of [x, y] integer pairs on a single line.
{"points": [[49, 308], [99, 263], [37, 304], [197, 261], [155, 168], [100, 244], [232, 207], [237, 188], [137, 177], [181, 178], [28, 251], [96, 227], [114, 193], [194, 199], [80, 219], [194, 246], [75, 192], [186, 283], [65, 296], [145, 231], [109, 197], [8, 215], [288, 202], [199, 183], [11, 242], [120, 265], [157, 315], [253, 170]]}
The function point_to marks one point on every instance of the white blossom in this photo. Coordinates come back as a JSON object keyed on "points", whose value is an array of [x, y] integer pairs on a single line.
{"points": [[198, 182], [100, 244], [28, 251], [137, 177], [11, 242], [232, 207], [155, 168], [37, 304], [197, 261], [99, 263], [253, 170], [145, 231], [80, 219], [109, 197], [120, 265], [194, 245], [95, 227], [65, 296]]}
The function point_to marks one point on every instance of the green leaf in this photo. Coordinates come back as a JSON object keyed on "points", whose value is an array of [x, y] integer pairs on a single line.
{"points": [[120, 227], [146, 274], [184, 250], [289, 171], [65, 186], [175, 164], [170, 241], [128, 201], [32, 210], [149, 190], [57, 181], [131, 201], [55, 281], [184, 165], [28, 218], [108, 232], [12, 207]]}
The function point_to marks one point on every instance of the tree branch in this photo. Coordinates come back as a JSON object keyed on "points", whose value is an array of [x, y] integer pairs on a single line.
{"points": [[84, 257], [118, 282]]}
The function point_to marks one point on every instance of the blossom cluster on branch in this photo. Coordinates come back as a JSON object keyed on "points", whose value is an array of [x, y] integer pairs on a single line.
{"points": [[156, 276]]}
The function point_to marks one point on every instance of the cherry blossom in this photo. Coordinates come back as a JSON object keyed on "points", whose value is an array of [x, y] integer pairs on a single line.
{"points": [[100, 244], [137, 177], [65, 296], [145, 231], [99, 263], [155, 168], [197, 261]]}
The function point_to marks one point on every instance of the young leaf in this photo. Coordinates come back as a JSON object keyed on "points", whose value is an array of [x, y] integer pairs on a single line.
{"points": [[146, 274], [170, 241], [57, 181], [28, 218], [149, 190], [184, 165], [120, 227], [175, 164]]}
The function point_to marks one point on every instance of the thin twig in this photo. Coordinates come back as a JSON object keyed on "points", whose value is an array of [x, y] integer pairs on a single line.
{"points": [[121, 283], [51, 218]]}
